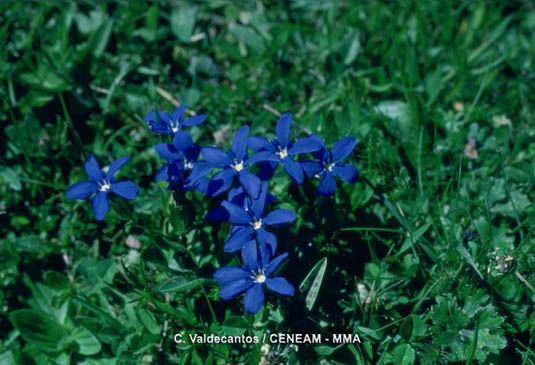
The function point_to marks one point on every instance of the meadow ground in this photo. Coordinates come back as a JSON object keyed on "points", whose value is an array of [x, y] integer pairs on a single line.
{"points": [[429, 257]]}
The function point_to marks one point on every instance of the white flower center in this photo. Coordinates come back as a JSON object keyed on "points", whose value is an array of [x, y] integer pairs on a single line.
{"points": [[104, 185], [259, 277], [330, 167], [188, 165], [283, 153], [238, 166], [174, 126], [257, 224], [317, 176]]}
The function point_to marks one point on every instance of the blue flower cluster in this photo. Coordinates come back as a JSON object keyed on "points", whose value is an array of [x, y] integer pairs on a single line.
{"points": [[244, 206]]}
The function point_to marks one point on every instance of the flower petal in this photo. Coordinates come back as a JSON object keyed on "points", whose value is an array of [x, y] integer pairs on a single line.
{"points": [[254, 298], [343, 148], [239, 142], [306, 145], [161, 174], [116, 165], [258, 143], [263, 156], [347, 172], [218, 214], [178, 113], [182, 140], [216, 157], [238, 239], [250, 183], [195, 120], [327, 184], [280, 285], [100, 205], [267, 238], [221, 181], [294, 170], [282, 130], [275, 263], [279, 216], [249, 254], [168, 152], [258, 204], [81, 190], [234, 288], [126, 189], [93, 170], [228, 274], [311, 168], [237, 215], [200, 169]]}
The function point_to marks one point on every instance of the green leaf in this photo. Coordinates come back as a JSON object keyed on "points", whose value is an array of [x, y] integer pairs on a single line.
{"points": [[149, 321], [248, 36], [101, 38], [324, 350], [404, 355], [87, 343], [181, 283], [313, 282], [39, 329], [235, 326], [183, 22], [413, 238], [11, 178], [7, 358]]}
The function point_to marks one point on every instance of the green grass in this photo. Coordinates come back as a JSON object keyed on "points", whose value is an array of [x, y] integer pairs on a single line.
{"points": [[417, 251]]}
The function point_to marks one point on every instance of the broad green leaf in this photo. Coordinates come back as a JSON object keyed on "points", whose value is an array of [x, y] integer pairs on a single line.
{"points": [[404, 355], [149, 321], [413, 237], [181, 283], [248, 36], [40, 329], [324, 350], [87, 343], [11, 178], [101, 38], [7, 358], [183, 22], [235, 326], [313, 280]]}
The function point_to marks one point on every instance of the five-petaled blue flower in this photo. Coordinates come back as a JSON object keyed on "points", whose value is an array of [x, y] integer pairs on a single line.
{"points": [[249, 222], [182, 169], [234, 162], [329, 165], [102, 183], [282, 151], [172, 123], [251, 278]]}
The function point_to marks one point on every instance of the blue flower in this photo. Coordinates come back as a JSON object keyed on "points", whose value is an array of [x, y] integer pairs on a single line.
{"points": [[183, 171], [234, 162], [329, 165], [102, 183], [172, 123], [282, 151], [240, 198], [251, 279], [250, 222]]}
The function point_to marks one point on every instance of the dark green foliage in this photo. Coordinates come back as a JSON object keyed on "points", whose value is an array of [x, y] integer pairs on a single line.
{"points": [[429, 257]]}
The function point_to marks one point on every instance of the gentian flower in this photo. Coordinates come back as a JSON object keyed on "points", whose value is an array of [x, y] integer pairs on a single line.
{"points": [[240, 198], [329, 165], [282, 151], [102, 183], [251, 279], [234, 162], [250, 222], [183, 170], [172, 123]]}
